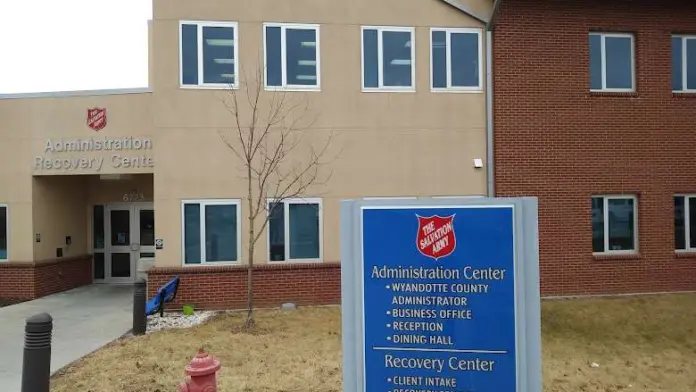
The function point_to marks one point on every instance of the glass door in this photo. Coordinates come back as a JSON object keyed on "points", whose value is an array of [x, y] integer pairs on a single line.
{"points": [[145, 218], [120, 265]]}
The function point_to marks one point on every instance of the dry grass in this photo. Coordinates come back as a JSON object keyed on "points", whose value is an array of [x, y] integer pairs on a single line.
{"points": [[641, 344]]}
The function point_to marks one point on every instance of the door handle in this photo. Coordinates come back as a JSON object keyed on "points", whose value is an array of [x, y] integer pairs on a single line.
{"points": [[135, 246]]}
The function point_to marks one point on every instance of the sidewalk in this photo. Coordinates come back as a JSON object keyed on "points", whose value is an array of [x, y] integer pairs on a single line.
{"points": [[84, 320]]}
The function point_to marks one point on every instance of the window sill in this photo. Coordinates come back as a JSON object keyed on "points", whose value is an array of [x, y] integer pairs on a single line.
{"points": [[614, 94], [388, 90], [455, 90], [684, 95], [687, 254], [207, 87], [292, 89], [617, 256]]}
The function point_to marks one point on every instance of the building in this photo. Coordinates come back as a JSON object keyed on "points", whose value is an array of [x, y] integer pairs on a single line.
{"points": [[593, 113], [100, 180]]}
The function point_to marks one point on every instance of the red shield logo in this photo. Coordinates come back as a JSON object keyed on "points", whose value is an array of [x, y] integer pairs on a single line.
{"points": [[436, 237], [96, 118]]}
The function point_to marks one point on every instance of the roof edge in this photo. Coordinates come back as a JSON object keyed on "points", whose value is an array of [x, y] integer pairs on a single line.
{"points": [[467, 10], [77, 93]]}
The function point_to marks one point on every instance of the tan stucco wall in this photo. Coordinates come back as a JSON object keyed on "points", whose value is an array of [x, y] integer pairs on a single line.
{"points": [[392, 144], [385, 144], [56, 205], [59, 210]]}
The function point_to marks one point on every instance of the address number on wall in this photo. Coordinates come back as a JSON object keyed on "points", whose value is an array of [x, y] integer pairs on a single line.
{"points": [[133, 196]]}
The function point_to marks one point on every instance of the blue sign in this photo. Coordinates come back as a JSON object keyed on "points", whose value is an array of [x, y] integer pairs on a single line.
{"points": [[439, 298]]}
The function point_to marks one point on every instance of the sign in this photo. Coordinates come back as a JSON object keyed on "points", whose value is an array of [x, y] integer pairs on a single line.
{"points": [[440, 295], [92, 153], [159, 243], [96, 118], [133, 195]]}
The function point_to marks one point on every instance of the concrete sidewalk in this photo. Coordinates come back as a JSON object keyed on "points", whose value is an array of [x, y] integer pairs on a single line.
{"points": [[84, 320]]}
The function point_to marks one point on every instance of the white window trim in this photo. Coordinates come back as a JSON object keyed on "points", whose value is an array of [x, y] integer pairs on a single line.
{"points": [[689, 247], [286, 228], [283, 57], [448, 50], [7, 231], [380, 54], [605, 209], [202, 204], [201, 84], [603, 37], [684, 89]]}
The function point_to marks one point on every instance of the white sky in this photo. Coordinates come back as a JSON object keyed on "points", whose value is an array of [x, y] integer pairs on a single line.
{"points": [[59, 45]]}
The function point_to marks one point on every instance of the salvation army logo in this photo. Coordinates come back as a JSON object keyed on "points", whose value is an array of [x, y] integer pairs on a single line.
{"points": [[436, 237]]}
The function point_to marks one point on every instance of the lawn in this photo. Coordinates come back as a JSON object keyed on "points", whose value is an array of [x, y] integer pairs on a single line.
{"points": [[639, 344]]}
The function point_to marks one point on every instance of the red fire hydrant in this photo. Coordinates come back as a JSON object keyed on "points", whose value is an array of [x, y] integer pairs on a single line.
{"points": [[201, 374]]}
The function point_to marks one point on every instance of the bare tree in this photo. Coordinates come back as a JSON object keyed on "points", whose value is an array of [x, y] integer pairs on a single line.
{"points": [[268, 137]]}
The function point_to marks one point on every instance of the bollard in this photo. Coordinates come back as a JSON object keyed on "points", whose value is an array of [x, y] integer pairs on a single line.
{"points": [[139, 317], [36, 366], [201, 374]]}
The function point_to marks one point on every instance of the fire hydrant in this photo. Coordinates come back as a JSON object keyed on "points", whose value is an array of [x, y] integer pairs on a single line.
{"points": [[201, 374]]}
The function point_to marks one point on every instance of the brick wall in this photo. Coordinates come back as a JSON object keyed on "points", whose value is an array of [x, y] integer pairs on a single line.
{"points": [[225, 287], [557, 141], [16, 281], [61, 275], [25, 281]]}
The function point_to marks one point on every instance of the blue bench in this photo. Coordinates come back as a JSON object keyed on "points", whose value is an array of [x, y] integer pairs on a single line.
{"points": [[165, 294]]}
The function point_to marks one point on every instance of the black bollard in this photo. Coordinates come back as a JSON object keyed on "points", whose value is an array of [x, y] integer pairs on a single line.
{"points": [[36, 367], [139, 318]]}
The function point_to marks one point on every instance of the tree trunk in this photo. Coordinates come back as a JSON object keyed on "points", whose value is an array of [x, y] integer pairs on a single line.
{"points": [[250, 265]]}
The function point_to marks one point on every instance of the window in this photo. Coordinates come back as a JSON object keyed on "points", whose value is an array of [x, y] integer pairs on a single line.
{"points": [[98, 245], [611, 62], [292, 56], [387, 57], [684, 64], [455, 60], [208, 54], [614, 224], [4, 224], [295, 230], [211, 231], [684, 222]]}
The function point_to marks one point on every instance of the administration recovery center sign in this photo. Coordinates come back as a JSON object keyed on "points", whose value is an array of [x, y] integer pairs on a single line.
{"points": [[440, 295]]}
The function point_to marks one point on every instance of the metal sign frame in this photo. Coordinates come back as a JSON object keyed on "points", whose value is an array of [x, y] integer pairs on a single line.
{"points": [[526, 284]]}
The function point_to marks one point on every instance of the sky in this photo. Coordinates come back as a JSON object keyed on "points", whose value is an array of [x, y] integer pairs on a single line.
{"points": [[65, 45]]}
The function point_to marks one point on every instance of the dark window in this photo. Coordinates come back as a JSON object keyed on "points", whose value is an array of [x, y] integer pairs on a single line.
{"points": [[3, 232], [683, 63], [684, 218], [455, 59], [611, 62], [214, 238], [614, 224], [98, 237], [99, 266], [208, 54], [388, 58], [292, 56], [189, 54], [300, 219]]}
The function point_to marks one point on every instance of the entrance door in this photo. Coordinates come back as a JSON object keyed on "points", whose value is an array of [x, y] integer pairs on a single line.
{"points": [[130, 232]]}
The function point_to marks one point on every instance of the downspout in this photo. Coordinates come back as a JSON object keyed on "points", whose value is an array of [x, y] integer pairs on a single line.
{"points": [[490, 150], [490, 174]]}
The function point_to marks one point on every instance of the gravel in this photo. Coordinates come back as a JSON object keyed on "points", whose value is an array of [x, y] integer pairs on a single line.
{"points": [[172, 320]]}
